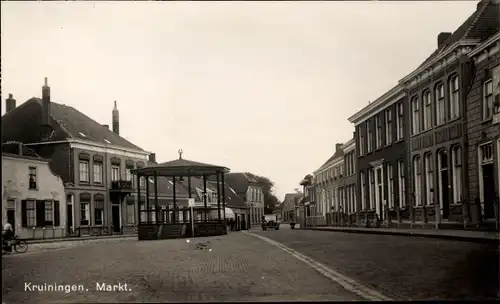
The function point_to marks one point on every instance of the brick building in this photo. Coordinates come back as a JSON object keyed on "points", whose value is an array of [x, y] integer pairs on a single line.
{"points": [[251, 192], [381, 154], [437, 91], [93, 161], [289, 206], [483, 130], [349, 178]]}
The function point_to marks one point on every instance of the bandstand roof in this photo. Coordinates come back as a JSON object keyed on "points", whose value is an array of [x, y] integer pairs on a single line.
{"points": [[181, 167]]}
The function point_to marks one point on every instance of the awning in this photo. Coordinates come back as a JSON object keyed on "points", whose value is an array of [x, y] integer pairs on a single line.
{"points": [[230, 213]]}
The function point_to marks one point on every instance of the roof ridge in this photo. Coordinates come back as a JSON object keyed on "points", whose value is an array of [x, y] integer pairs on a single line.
{"points": [[479, 14]]}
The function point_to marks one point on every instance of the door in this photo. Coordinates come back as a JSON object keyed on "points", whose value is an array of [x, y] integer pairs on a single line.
{"points": [[11, 218], [445, 193], [69, 216], [115, 218], [379, 192], [489, 191]]}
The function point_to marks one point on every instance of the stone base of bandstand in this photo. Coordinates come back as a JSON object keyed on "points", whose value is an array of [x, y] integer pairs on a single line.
{"points": [[162, 231]]}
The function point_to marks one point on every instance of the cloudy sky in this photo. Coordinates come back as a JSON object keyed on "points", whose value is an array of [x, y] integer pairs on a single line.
{"points": [[264, 87]]}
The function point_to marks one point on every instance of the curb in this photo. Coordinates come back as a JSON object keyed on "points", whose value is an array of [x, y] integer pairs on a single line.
{"points": [[471, 239], [43, 241]]}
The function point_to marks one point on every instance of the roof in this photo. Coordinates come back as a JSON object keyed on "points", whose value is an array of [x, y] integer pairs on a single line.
{"points": [[480, 25], [232, 198], [239, 181], [23, 124], [17, 148], [181, 167], [291, 197]]}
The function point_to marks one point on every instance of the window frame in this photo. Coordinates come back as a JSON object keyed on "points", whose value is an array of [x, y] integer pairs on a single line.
{"points": [[400, 121], [417, 181], [81, 173], [415, 115], [427, 101], [378, 132], [87, 213], [429, 178], [32, 178], [98, 173], [369, 138], [487, 100], [454, 99], [440, 101], [388, 127], [401, 186]]}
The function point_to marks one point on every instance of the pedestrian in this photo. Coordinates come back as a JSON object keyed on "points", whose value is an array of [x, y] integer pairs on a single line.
{"points": [[7, 235]]}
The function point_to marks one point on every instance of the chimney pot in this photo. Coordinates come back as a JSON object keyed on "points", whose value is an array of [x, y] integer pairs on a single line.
{"points": [[116, 120], [10, 104], [442, 37], [46, 104], [337, 146]]}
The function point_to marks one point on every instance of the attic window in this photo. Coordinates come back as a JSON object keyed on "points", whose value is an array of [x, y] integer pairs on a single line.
{"points": [[107, 141], [81, 134]]}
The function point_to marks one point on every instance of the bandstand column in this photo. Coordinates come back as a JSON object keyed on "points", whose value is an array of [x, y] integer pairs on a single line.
{"points": [[205, 195], [223, 196], [218, 195], [190, 196], [138, 199], [156, 197], [147, 198], [174, 213]]}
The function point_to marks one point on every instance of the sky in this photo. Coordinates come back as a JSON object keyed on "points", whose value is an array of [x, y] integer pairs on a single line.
{"points": [[261, 87]]}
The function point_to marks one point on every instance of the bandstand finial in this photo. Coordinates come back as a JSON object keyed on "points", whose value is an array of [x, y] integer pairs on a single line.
{"points": [[180, 153]]}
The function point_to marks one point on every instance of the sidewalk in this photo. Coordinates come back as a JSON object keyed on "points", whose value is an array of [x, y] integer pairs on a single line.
{"points": [[80, 238], [458, 235]]}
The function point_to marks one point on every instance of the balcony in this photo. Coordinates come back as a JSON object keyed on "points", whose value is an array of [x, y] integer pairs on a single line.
{"points": [[121, 186]]}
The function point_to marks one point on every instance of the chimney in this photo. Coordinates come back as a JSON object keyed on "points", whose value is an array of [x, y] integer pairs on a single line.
{"points": [[10, 104], [46, 103], [337, 147], [106, 126], [116, 120], [152, 157], [442, 37]]}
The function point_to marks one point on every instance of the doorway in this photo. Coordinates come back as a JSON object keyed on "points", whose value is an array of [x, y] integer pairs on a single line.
{"points": [[69, 216], [444, 184], [379, 192], [115, 218], [488, 190], [11, 218]]}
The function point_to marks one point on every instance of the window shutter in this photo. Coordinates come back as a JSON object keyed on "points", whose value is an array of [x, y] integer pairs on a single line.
{"points": [[24, 215], [40, 213], [56, 213]]}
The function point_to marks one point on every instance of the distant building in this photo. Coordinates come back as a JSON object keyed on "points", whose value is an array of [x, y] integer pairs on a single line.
{"points": [[249, 189], [289, 206], [93, 161], [306, 204], [33, 198]]}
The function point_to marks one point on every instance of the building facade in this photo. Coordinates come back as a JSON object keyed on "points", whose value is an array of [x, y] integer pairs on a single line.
{"points": [[381, 155], [249, 189], [350, 201], [33, 198], [483, 131], [307, 202], [93, 162], [437, 92], [289, 206]]}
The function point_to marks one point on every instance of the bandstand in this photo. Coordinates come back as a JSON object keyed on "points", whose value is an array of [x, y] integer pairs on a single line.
{"points": [[174, 218]]}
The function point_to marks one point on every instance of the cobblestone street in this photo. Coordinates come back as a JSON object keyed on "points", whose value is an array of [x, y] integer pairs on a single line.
{"points": [[236, 267], [409, 268]]}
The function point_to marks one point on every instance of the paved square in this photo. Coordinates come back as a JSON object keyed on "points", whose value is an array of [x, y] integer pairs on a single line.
{"points": [[236, 267]]}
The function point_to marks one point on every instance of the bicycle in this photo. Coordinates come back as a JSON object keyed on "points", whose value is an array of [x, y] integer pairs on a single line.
{"points": [[19, 245]]}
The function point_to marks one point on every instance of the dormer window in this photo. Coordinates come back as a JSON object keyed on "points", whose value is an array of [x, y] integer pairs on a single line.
{"points": [[82, 134]]}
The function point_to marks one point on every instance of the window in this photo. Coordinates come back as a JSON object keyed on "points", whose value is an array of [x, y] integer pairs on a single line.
{"points": [[401, 183], [415, 118], [128, 174], [427, 110], [388, 127], [98, 173], [99, 212], [378, 132], [487, 99], [457, 174], [390, 186], [371, 201], [40, 213], [417, 180], [115, 173], [369, 135], [400, 121], [486, 152], [440, 105], [363, 186], [144, 213], [142, 181], [32, 178], [361, 140], [429, 181], [84, 213], [29, 214], [84, 171], [454, 97], [49, 213]]}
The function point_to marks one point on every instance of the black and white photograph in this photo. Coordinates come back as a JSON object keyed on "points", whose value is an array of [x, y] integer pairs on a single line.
{"points": [[250, 151]]}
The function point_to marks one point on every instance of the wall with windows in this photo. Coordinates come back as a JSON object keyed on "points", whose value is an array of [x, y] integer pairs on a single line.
{"points": [[33, 198], [482, 134], [255, 197]]}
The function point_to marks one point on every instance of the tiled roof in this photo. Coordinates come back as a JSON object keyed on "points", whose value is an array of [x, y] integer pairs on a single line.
{"points": [[291, 197], [23, 124], [238, 181], [481, 25]]}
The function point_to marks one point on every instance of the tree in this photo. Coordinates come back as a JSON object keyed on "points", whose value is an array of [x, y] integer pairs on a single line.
{"points": [[270, 200]]}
